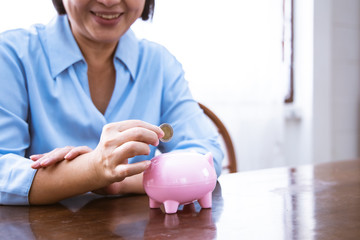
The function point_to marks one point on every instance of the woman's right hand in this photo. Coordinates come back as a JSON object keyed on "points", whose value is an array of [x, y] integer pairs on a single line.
{"points": [[109, 160], [120, 141], [106, 165]]}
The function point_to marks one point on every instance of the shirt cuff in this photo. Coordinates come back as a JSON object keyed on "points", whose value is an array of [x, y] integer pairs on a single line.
{"points": [[16, 177]]}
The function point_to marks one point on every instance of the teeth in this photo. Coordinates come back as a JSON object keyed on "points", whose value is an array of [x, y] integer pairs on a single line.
{"points": [[107, 16]]}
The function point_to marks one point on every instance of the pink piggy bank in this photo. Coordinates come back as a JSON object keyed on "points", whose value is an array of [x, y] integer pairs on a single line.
{"points": [[180, 178]]}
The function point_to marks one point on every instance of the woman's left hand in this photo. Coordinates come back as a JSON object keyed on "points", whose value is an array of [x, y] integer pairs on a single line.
{"points": [[57, 155]]}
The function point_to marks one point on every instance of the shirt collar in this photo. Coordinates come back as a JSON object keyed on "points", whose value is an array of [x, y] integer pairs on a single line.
{"points": [[128, 52], [63, 50]]}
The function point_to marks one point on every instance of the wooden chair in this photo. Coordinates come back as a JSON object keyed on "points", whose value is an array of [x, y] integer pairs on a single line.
{"points": [[231, 164]]}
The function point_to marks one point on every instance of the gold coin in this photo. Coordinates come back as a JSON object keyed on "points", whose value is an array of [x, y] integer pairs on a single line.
{"points": [[168, 130]]}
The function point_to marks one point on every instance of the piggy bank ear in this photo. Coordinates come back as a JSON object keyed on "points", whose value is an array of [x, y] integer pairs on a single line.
{"points": [[209, 157]]}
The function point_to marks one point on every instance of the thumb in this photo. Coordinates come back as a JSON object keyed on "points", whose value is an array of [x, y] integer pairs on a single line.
{"points": [[125, 170]]}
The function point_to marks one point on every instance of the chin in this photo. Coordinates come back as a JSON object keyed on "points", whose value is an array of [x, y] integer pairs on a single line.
{"points": [[106, 40]]}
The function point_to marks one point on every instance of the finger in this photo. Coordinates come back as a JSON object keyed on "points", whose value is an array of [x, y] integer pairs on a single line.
{"points": [[126, 170], [137, 134], [36, 157], [41, 159], [128, 150], [77, 151], [54, 156], [36, 165], [124, 125]]}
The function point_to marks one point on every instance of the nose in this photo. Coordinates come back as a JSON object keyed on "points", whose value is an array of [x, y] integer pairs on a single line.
{"points": [[109, 3]]}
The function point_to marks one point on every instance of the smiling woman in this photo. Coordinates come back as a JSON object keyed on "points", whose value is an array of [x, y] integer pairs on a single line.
{"points": [[85, 86]]}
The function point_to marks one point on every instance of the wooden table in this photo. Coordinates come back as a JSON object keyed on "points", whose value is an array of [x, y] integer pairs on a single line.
{"points": [[308, 202]]}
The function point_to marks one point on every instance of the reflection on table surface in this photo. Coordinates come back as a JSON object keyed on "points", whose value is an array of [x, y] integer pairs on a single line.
{"points": [[308, 202]]}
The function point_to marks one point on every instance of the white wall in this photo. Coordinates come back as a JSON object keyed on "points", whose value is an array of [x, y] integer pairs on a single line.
{"points": [[322, 82], [336, 80], [23, 13], [327, 87], [345, 65]]}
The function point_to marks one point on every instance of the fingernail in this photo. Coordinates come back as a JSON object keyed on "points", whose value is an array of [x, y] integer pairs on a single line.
{"points": [[67, 155], [33, 156]]}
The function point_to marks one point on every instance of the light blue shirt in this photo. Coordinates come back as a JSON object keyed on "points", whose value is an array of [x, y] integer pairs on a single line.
{"points": [[45, 100]]}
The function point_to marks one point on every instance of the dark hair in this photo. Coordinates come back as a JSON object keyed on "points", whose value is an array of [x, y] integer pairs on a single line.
{"points": [[147, 13]]}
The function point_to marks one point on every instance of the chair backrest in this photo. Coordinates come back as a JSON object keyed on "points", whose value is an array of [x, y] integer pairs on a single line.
{"points": [[231, 158]]}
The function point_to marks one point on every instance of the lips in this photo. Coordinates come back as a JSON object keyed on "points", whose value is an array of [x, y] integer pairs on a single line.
{"points": [[108, 16], [108, 19]]}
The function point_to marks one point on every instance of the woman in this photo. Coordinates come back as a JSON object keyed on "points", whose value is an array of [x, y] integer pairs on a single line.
{"points": [[85, 80]]}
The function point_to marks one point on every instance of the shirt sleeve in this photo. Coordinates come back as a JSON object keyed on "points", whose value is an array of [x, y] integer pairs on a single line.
{"points": [[193, 130], [16, 175]]}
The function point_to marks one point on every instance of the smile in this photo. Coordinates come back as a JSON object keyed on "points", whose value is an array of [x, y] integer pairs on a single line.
{"points": [[107, 16]]}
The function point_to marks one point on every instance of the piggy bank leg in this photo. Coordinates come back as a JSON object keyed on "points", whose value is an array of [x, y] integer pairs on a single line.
{"points": [[171, 206], [153, 203], [206, 201]]}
